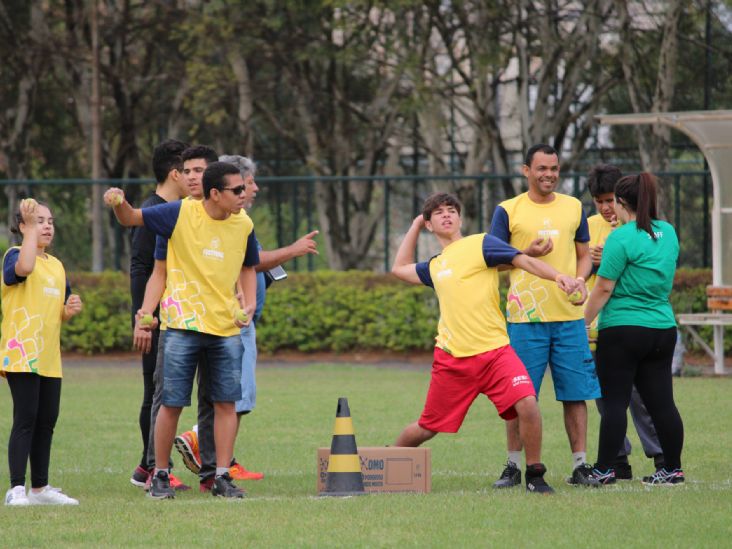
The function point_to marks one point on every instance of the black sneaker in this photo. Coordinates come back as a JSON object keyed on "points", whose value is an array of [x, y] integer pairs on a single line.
{"points": [[510, 477], [623, 471], [662, 477], [224, 487], [605, 476], [582, 476], [160, 486], [535, 482]]}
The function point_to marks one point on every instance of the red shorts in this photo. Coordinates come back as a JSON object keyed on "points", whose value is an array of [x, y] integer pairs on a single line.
{"points": [[456, 382]]}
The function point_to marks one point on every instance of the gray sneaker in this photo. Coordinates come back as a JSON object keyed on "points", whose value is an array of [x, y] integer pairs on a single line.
{"points": [[224, 487], [583, 476], [160, 486], [510, 477]]}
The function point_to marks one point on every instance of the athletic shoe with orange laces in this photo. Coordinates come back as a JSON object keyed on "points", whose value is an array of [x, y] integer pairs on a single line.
{"points": [[187, 444], [238, 472]]}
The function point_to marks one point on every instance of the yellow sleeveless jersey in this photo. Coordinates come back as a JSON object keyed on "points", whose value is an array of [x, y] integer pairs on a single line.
{"points": [[204, 259], [31, 325], [466, 283], [530, 298]]}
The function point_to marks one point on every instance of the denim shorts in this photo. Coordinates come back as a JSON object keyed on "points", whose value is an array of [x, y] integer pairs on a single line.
{"points": [[248, 367], [564, 347], [222, 360]]}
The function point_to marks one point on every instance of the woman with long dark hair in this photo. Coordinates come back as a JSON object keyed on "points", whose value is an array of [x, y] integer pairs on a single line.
{"points": [[637, 327]]}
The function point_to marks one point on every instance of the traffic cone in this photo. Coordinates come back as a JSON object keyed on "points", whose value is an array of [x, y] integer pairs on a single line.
{"points": [[344, 468]]}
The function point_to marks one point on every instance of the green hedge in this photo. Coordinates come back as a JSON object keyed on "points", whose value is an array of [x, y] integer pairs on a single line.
{"points": [[320, 311]]}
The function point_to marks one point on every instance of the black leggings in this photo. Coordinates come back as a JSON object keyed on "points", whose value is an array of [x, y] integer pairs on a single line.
{"points": [[633, 354], [149, 360], [35, 411]]}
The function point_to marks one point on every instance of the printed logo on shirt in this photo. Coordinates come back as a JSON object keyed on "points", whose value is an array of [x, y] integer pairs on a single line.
{"points": [[547, 232], [444, 271], [50, 288], [212, 251], [520, 380]]}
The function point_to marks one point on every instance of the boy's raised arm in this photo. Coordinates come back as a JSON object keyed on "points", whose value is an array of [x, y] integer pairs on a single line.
{"points": [[404, 266]]}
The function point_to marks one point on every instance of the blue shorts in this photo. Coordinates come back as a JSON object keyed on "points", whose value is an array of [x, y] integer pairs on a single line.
{"points": [[564, 347], [222, 360], [248, 367]]}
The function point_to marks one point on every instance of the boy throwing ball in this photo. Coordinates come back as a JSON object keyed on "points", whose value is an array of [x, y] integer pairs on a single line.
{"points": [[472, 352]]}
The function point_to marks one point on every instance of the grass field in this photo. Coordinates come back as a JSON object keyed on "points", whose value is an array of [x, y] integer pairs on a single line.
{"points": [[97, 445]]}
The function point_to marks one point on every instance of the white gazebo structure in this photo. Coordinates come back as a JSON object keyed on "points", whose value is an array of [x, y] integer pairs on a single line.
{"points": [[711, 131]]}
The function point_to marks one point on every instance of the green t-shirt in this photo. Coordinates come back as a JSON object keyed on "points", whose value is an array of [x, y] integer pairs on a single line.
{"points": [[643, 271]]}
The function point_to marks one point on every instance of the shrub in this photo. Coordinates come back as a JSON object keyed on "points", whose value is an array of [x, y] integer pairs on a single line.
{"points": [[322, 311]]}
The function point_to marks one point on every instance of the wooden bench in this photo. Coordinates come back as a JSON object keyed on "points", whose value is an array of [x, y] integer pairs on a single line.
{"points": [[719, 300]]}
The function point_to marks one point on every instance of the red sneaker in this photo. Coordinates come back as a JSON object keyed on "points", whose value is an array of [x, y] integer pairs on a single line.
{"points": [[140, 477], [206, 485], [238, 472], [176, 484]]}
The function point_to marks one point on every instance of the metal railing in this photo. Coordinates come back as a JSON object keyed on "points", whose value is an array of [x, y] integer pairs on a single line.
{"points": [[286, 208]]}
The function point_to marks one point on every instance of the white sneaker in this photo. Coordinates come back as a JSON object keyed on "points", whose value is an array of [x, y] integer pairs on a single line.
{"points": [[16, 497], [50, 496]]}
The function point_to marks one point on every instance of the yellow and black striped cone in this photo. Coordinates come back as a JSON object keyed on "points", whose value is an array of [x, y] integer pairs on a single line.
{"points": [[344, 468]]}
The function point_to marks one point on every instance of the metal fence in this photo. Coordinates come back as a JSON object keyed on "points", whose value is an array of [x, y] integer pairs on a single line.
{"points": [[286, 208]]}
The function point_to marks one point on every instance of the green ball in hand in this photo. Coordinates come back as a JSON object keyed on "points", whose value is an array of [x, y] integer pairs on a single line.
{"points": [[146, 319], [241, 316], [575, 296]]}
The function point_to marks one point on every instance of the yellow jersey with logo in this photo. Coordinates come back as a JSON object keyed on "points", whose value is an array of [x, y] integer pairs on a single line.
{"points": [[465, 278], [519, 221], [204, 259], [600, 229], [32, 308]]}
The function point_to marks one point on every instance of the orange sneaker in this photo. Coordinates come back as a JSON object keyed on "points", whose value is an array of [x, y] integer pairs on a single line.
{"points": [[238, 472], [177, 484], [187, 444]]}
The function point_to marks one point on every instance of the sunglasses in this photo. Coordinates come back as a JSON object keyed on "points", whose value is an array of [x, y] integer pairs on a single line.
{"points": [[236, 190]]}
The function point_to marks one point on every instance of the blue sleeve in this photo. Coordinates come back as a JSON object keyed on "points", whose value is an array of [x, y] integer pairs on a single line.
{"points": [[251, 259], [499, 224], [68, 291], [161, 248], [583, 231], [161, 219], [497, 252], [9, 275], [423, 272]]}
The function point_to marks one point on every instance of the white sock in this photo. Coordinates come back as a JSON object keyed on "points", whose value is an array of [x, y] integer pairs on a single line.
{"points": [[578, 458], [195, 429], [155, 471], [515, 458], [221, 470]]}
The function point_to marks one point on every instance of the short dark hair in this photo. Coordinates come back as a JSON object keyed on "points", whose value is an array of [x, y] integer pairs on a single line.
{"points": [[436, 200], [215, 174], [167, 157], [602, 179], [539, 147], [200, 151]]}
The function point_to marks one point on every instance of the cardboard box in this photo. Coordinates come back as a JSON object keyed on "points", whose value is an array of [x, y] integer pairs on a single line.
{"points": [[387, 469]]}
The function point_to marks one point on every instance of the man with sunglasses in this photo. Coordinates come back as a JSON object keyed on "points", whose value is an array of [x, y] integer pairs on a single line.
{"points": [[193, 162], [199, 458], [210, 248]]}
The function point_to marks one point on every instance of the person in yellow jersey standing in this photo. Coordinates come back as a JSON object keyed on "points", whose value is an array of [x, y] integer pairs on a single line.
{"points": [[544, 326], [210, 248], [36, 298], [472, 352]]}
